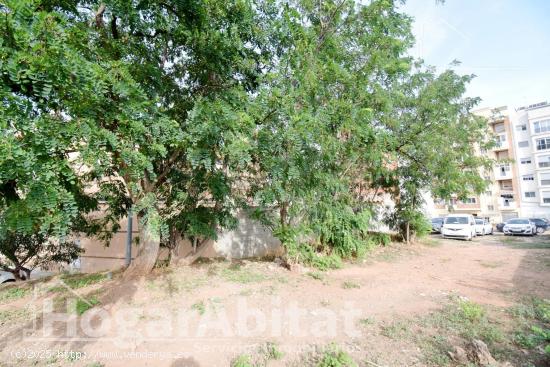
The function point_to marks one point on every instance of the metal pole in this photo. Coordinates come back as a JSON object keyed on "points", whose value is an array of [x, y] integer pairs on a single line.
{"points": [[129, 238]]}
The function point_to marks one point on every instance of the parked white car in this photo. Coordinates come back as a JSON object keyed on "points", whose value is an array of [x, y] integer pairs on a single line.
{"points": [[520, 226], [483, 227], [459, 226]]}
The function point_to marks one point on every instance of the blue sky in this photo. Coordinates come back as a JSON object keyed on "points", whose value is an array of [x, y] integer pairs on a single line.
{"points": [[506, 43]]}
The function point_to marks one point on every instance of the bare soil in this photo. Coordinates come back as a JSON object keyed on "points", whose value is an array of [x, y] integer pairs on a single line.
{"points": [[372, 309]]}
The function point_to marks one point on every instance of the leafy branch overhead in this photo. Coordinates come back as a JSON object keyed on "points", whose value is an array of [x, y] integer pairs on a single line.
{"points": [[300, 112]]}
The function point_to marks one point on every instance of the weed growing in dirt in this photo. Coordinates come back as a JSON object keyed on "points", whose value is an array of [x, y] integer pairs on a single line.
{"points": [[317, 275], [242, 361], [335, 357], [271, 352], [350, 285], [13, 293]]}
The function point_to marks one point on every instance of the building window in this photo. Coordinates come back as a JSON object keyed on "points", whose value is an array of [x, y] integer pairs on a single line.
{"points": [[470, 201], [490, 207], [529, 194], [525, 160], [544, 161], [545, 179], [499, 128], [523, 144], [528, 178], [489, 193], [546, 197], [543, 144], [521, 127], [541, 126]]}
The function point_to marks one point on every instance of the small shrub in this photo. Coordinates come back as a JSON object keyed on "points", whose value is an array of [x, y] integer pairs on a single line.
{"points": [[199, 307], [380, 239], [472, 311], [334, 357]]}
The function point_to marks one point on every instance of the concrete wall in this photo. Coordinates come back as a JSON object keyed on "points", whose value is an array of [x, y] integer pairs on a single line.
{"points": [[249, 239]]}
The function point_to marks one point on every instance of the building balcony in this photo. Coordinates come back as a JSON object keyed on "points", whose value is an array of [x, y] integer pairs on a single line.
{"points": [[503, 173], [506, 204], [501, 145]]}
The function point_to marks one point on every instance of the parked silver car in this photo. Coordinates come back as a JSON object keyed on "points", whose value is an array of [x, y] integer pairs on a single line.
{"points": [[520, 226]]}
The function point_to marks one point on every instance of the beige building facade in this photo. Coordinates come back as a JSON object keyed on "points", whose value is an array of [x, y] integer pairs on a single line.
{"points": [[500, 201]]}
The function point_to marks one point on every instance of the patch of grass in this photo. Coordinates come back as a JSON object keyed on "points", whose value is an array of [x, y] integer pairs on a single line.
{"points": [[397, 330], [200, 307], [335, 357], [76, 281], [238, 274], [83, 305], [11, 316], [13, 293], [242, 361], [466, 319], [534, 328], [95, 364], [350, 285], [435, 350]]}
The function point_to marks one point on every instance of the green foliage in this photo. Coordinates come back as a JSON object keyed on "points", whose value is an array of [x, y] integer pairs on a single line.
{"points": [[83, 305], [335, 357], [20, 252], [379, 239], [189, 111], [535, 320]]}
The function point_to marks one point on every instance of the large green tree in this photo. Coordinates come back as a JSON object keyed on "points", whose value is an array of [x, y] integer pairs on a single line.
{"points": [[102, 93]]}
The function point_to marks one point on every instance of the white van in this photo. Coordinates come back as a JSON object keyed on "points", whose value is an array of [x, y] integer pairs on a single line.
{"points": [[459, 226]]}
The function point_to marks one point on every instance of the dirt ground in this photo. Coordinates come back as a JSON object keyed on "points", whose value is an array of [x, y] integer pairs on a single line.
{"points": [[379, 311]]}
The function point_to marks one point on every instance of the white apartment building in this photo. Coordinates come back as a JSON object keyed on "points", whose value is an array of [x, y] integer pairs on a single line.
{"points": [[531, 139]]}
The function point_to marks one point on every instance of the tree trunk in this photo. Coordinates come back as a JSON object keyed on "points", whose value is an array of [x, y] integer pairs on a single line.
{"points": [[148, 250], [194, 256]]}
